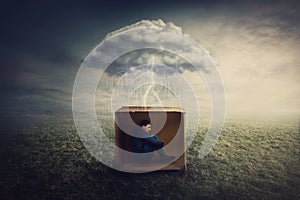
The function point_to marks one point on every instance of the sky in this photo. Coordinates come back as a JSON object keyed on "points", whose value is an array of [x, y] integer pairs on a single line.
{"points": [[256, 46]]}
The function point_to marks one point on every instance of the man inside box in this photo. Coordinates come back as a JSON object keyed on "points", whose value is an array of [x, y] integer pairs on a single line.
{"points": [[144, 142]]}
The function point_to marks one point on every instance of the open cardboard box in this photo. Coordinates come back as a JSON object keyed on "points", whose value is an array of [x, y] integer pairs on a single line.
{"points": [[166, 122]]}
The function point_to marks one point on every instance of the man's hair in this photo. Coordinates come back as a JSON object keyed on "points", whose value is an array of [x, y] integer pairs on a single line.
{"points": [[145, 122]]}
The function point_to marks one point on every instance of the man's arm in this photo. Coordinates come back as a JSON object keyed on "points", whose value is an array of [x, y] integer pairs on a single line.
{"points": [[154, 141]]}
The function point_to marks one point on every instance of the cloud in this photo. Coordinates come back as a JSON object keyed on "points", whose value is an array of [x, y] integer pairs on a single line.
{"points": [[146, 24], [145, 41], [145, 58]]}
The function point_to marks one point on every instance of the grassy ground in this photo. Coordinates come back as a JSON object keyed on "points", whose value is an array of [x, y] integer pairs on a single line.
{"points": [[251, 160]]}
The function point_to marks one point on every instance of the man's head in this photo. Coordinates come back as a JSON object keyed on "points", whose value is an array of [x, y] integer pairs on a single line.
{"points": [[146, 125]]}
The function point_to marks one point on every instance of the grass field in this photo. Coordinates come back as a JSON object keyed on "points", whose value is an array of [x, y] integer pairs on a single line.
{"points": [[251, 160]]}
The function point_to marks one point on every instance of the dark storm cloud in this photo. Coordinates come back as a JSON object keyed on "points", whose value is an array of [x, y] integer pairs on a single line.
{"points": [[281, 17], [139, 60]]}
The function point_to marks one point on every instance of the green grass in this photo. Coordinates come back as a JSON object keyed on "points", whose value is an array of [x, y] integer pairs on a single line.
{"points": [[251, 160]]}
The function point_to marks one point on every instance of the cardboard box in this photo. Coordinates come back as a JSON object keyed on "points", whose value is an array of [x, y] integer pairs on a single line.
{"points": [[167, 123]]}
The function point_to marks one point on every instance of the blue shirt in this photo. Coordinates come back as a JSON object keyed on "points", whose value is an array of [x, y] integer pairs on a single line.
{"points": [[142, 143]]}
